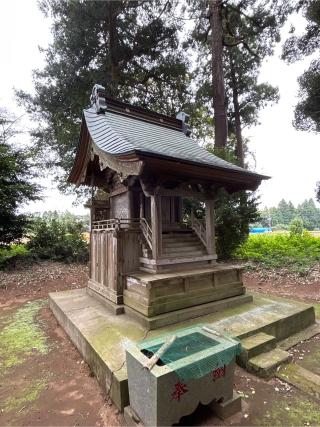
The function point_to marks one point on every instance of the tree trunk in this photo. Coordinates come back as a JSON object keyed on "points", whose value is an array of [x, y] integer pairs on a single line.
{"points": [[112, 63], [237, 117], [219, 96]]}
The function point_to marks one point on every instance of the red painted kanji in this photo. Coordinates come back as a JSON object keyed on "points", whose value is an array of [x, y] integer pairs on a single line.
{"points": [[219, 372], [180, 389]]}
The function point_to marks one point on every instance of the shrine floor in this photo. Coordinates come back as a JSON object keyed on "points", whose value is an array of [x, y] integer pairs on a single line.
{"points": [[101, 336]]}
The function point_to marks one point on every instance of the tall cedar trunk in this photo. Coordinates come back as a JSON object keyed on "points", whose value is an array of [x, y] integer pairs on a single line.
{"points": [[112, 63], [237, 118], [219, 95]]}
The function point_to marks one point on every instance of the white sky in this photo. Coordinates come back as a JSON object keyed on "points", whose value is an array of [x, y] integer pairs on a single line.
{"points": [[290, 157]]}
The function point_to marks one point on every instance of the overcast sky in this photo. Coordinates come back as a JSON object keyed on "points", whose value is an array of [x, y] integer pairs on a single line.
{"points": [[290, 157]]}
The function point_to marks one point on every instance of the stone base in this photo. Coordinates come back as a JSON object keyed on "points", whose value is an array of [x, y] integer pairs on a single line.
{"points": [[226, 409], [184, 314], [100, 336], [222, 410], [130, 418], [154, 294]]}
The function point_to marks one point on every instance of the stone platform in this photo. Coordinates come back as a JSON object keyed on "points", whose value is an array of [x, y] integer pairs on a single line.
{"points": [[155, 294], [101, 336]]}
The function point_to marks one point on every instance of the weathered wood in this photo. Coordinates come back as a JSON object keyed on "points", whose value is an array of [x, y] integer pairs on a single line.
{"points": [[156, 226], [210, 233], [113, 254]]}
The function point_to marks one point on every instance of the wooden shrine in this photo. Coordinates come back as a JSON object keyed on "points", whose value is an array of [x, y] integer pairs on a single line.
{"points": [[144, 259]]}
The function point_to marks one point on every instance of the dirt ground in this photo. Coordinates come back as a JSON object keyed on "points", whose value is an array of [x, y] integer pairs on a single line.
{"points": [[286, 283], [44, 381]]}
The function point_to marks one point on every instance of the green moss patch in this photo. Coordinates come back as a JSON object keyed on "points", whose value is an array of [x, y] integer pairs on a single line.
{"points": [[22, 336], [301, 378], [24, 397], [296, 411]]}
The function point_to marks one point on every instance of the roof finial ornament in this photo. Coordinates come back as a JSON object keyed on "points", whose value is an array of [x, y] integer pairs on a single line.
{"points": [[98, 99], [184, 117]]}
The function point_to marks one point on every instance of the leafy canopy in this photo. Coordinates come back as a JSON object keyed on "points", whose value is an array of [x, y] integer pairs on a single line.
{"points": [[131, 48], [307, 110], [16, 186], [250, 31]]}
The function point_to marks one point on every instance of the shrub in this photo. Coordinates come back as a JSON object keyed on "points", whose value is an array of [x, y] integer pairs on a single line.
{"points": [[298, 252], [14, 254], [58, 238], [296, 227]]}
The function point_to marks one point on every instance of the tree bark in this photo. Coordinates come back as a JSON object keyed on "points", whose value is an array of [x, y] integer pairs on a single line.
{"points": [[237, 118], [219, 95]]}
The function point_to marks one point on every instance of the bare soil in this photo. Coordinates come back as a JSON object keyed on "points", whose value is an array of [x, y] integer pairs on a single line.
{"points": [[71, 396], [283, 283]]}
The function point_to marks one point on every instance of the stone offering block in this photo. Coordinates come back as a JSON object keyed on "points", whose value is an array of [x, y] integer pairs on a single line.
{"points": [[197, 368]]}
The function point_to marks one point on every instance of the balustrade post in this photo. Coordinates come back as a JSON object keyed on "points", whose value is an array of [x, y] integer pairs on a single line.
{"points": [[156, 226], [210, 232]]}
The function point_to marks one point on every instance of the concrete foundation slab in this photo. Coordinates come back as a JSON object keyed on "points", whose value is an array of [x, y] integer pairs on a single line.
{"points": [[101, 336]]}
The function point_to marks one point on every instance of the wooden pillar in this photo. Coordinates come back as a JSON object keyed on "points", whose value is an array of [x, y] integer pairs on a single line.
{"points": [[156, 226], [210, 234], [142, 213]]}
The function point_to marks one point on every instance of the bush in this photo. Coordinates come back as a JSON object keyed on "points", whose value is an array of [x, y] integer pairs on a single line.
{"points": [[59, 238], [10, 256], [298, 252], [296, 227]]}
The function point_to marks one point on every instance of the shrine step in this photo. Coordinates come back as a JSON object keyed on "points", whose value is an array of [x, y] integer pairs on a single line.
{"points": [[266, 364], [195, 247], [254, 345], [188, 252], [180, 243], [170, 263]]}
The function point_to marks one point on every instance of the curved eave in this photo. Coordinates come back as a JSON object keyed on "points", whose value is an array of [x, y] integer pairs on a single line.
{"points": [[81, 158], [233, 179]]}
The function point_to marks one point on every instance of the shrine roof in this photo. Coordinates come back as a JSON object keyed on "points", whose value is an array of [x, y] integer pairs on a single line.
{"points": [[121, 134]]}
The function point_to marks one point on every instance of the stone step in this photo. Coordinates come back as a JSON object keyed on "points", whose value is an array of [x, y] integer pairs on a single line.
{"points": [[254, 345], [265, 365]]}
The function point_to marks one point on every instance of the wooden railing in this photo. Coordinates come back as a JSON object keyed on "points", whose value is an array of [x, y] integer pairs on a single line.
{"points": [[146, 231], [199, 228], [125, 223]]}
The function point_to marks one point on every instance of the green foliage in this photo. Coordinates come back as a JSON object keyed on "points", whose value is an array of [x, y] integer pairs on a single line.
{"points": [[16, 186], [234, 213], [282, 215], [132, 48], [307, 111], [318, 192], [297, 252], [11, 254], [296, 227], [59, 238], [250, 31]]}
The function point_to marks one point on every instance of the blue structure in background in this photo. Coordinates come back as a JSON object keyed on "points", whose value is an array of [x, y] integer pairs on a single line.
{"points": [[257, 230]]}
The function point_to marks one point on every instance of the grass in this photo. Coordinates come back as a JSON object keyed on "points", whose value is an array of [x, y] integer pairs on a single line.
{"points": [[21, 336], [296, 252]]}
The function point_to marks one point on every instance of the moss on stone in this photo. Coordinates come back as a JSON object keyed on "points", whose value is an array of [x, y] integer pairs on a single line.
{"points": [[291, 412], [317, 310], [22, 336], [298, 377], [23, 397]]}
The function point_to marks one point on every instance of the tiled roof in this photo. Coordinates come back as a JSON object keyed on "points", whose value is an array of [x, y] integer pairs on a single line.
{"points": [[118, 134]]}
